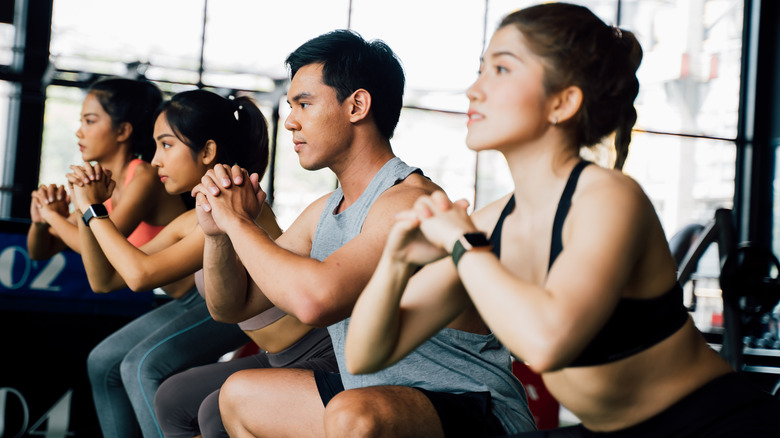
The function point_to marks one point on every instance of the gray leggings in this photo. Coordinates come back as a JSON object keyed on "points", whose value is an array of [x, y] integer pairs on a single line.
{"points": [[187, 404]]}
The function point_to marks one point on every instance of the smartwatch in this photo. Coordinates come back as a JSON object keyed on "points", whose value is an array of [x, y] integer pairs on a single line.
{"points": [[94, 211], [467, 242]]}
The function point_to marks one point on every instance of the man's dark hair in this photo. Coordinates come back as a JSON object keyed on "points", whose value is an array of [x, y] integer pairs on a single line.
{"points": [[349, 63]]}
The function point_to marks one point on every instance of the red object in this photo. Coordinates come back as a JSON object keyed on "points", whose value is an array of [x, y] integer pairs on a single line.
{"points": [[248, 349], [544, 407]]}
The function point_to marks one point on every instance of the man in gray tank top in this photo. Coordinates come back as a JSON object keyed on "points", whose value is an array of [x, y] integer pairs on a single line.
{"points": [[345, 97]]}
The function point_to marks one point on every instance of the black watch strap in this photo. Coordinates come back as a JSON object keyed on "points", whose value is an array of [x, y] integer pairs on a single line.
{"points": [[468, 242], [94, 211]]}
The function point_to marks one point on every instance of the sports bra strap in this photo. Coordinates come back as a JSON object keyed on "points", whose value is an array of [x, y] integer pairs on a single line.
{"points": [[556, 244], [495, 236]]}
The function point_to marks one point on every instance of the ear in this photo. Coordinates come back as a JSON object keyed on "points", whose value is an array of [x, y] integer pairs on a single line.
{"points": [[208, 155], [124, 132], [359, 105], [565, 104]]}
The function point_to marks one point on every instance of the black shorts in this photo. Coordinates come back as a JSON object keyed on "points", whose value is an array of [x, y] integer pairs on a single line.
{"points": [[461, 415], [729, 406]]}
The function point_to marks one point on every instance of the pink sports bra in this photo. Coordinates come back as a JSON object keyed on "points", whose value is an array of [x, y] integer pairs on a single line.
{"points": [[144, 232]]}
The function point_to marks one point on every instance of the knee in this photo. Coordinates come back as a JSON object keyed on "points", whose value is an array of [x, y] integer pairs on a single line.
{"points": [[99, 363], [209, 419], [168, 397], [128, 370], [351, 414]]}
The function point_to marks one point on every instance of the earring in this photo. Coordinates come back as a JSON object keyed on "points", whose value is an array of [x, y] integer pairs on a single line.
{"points": [[555, 120]]}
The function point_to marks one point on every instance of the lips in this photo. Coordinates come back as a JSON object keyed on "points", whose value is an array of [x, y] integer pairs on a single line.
{"points": [[474, 117]]}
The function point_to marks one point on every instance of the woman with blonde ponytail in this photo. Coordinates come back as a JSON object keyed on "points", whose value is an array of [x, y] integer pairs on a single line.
{"points": [[571, 271]]}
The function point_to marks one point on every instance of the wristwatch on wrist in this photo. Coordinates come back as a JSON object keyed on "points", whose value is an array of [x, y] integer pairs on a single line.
{"points": [[467, 242], [94, 211]]}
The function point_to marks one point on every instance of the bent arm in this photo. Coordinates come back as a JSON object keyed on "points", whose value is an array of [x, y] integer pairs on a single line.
{"points": [[548, 325], [53, 227], [113, 263], [44, 239], [399, 310], [230, 295]]}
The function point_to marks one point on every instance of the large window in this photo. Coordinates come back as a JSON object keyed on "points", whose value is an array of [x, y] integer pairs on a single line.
{"points": [[683, 150]]}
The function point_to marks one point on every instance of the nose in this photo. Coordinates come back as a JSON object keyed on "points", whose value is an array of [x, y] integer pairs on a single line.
{"points": [[79, 132], [290, 123], [473, 92], [156, 159]]}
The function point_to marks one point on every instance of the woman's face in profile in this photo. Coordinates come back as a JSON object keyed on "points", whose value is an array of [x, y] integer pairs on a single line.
{"points": [[507, 103], [176, 167]]}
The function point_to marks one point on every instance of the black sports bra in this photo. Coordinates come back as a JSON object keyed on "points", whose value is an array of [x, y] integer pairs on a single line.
{"points": [[636, 324]]}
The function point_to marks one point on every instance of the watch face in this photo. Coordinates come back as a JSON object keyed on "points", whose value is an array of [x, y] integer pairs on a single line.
{"points": [[99, 209], [476, 240], [94, 210]]}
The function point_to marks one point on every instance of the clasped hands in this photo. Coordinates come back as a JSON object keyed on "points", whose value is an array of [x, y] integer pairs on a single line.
{"points": [[89, 184], [227, 194], [429, 230]]}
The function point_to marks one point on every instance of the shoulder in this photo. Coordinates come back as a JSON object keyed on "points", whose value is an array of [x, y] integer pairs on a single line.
{"points": [[143, 172], [608, 196], [306, 222], [405, 193], [598, 184]]}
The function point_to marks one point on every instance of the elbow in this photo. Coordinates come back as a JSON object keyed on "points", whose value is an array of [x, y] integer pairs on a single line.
{"points": [[222, 314], [99, 288], [358, 367], [547, 359], [138, 280], [361, 361], [225, 318], [541, 365], [364, 363], [315, 313], [138, 286], [35, 255]]}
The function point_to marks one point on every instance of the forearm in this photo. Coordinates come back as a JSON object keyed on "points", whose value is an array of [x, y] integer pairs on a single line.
{"points": [[225, 280], [525, 317], [372, 339], [100, 272], [295, 283], [41, 243], [67, 231]]}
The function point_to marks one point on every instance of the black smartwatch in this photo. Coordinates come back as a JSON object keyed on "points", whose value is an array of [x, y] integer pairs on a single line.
{"points": [[94, 211], [467, 242]]}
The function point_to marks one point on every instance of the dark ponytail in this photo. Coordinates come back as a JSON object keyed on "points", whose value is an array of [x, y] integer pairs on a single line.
{"points": [[581, 50], [237, 126], [134, 102]]}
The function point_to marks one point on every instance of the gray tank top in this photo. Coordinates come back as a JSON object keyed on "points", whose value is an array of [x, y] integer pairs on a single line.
{"points": [[452, 361]]}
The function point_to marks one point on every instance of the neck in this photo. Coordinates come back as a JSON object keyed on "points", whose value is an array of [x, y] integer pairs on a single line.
{"points": [[357, 170], [540, 170], [117, 164]]}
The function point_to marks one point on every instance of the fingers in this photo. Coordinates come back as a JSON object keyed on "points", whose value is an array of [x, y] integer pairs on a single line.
{"points": [[223, 175], [77, 176], [440, 200], [424, 207], [62, 194], [239, 174], [201, 201], [208, 182], [254, 180], [462, 204]]}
